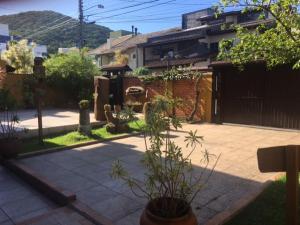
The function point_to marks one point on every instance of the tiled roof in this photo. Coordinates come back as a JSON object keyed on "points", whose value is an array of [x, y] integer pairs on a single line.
{"points": [[125, 42]]}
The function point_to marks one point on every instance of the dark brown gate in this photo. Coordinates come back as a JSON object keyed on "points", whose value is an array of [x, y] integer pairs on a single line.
{"points": [[257, 96]]}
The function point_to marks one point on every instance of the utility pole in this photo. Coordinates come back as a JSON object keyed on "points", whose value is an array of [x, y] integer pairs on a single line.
{"points": [[80, 24]]}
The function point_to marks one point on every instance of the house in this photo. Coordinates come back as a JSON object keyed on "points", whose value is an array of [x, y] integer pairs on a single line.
{"points": [[127, 44], [198, 40], [195, 43], [67, 50], [5, 37]]}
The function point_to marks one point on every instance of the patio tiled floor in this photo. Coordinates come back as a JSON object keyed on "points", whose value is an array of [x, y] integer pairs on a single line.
{"points": [[85, 170], [18, 201]]}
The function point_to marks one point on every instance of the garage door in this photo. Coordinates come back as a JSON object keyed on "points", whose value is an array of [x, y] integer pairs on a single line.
{"points": [[257, 96]]}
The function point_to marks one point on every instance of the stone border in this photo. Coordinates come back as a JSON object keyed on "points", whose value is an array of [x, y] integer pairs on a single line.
{"points": [[89, 213], [58, 195], [57, 149], [229, 213]]}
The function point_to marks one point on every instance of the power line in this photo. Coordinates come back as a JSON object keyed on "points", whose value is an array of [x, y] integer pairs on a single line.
{"points": [[52, 28], [126, 7], [136, 10], [51, 24]]}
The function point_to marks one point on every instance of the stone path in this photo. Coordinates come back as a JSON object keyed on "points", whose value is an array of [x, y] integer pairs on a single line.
{"points": [[18, 201], [85, 170]]}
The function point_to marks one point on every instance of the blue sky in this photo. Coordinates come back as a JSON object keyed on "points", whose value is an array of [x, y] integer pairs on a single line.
{"points": [[147, 15]]}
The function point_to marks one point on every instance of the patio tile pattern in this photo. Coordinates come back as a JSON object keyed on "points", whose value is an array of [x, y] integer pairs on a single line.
{"points": [[86, 170], [18, 201]]}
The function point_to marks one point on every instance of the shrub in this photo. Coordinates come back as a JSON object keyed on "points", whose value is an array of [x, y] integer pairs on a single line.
{"points": [[84, 104], [20, 56], [73, 73], [140, 71]]}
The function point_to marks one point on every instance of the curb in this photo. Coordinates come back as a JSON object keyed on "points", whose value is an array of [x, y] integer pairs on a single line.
{"points": [[228, 214], [57, 149], [58, 195], [89, 213]]}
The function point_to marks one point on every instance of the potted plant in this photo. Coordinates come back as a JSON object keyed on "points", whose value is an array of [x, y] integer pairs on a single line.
{"points": [[84, 117], [10, 144], [171, 182]]}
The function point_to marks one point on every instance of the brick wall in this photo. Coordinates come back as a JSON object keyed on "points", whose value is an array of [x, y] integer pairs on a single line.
{"points": [[183, 89], [53, 97]]}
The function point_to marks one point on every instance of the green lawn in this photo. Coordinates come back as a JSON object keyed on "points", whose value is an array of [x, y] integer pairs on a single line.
{"points": [[71, 138], [267, 209]]}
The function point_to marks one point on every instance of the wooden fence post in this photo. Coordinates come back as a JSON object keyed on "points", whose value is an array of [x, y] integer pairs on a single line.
{"points": [[292, 184]]}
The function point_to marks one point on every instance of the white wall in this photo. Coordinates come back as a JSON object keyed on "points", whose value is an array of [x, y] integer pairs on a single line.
{"points": [[4, 30], [40, 50]]}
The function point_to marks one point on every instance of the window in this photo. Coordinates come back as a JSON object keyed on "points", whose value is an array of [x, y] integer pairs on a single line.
{"points": [[133, 56], [214, 47]]}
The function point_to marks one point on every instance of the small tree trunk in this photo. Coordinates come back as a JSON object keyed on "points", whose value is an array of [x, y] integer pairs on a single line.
{"points": [[197, 98]]}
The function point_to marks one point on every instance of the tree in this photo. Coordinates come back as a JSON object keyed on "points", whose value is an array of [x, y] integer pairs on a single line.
{"points": [[73, 73], [277, 45], [120, 58], [20, 56]]}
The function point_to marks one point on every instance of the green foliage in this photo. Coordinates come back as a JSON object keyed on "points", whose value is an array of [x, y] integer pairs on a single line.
{"points": [[8, 117], [84, 104], [75, 137], [73, 73], [147, 110], [34, 22], [268, 208], [181, 73], [277, 45], [120, 58], [141, 71], [170, 175], [29, 83], [7, 101], [20, 56]]}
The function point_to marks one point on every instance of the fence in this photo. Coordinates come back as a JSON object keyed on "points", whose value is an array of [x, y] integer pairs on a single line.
{"points": [[183, 89]]}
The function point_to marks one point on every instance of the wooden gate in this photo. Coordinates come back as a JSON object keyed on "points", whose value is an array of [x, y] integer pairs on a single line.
{"points": [[257, 96]]}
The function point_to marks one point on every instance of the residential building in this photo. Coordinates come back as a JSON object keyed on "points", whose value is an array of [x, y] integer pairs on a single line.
{"points": [[5, 37], [128, 44], [196, 42]]}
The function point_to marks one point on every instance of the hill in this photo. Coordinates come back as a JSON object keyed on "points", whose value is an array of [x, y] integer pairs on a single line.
{"points": [[53, 29]]}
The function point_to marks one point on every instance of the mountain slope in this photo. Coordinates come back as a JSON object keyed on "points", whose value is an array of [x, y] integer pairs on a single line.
{"points": [[54, 29]]}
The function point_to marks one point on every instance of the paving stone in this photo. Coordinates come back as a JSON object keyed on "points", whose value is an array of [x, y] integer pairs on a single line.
{"points": [[75, 183], [29, 215], [21, 207], [14, 194], [3, 217], [236, 174], [131, 219], [117, 207], [95, 194]]}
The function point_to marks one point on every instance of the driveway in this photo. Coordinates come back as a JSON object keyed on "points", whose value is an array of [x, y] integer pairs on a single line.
{"points": [[85, 170]]}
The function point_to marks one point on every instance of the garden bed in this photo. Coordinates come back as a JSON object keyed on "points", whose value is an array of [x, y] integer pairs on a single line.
{"points": [[268, 208], [74, 138]]}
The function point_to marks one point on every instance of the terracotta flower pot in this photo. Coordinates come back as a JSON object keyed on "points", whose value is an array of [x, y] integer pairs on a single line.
{"points": [[148, 218], [10, 148]]}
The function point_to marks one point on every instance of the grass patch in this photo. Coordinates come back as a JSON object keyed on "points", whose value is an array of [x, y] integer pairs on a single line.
{"points": [[71, 138], [268, 208]]}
